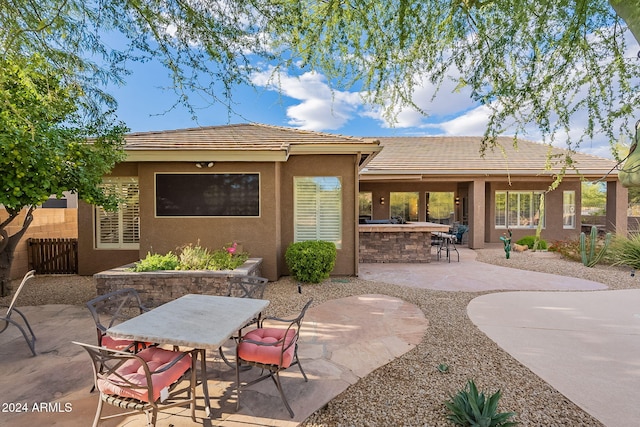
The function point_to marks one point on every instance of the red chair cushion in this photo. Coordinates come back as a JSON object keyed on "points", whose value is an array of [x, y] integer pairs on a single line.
{"points": [[120, 344], [132, 370], [268, 354]]}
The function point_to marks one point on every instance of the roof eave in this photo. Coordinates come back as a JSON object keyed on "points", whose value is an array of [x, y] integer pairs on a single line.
{"points": [[205, 155]]}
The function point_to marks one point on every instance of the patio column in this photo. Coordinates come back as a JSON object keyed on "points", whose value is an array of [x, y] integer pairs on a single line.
{"points": [[617, 203], [477, 198]]}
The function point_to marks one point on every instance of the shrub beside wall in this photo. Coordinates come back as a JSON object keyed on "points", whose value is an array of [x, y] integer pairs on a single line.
{"points": [[311, 261]]}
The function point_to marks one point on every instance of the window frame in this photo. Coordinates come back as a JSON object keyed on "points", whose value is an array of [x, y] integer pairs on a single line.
{"points": [[315, 213], [120, 216], [569, 210], [504, 217]]}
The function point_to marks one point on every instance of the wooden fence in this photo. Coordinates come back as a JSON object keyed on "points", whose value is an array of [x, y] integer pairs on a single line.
{"points": [[53, 256]]}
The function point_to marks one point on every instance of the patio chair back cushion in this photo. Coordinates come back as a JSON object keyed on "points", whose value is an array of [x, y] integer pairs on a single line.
{"points": [[131, 378], [279, 351]]}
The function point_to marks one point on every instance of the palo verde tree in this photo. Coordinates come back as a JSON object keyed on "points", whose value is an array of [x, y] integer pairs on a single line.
{"points": [[44, 148], [553, 64]]}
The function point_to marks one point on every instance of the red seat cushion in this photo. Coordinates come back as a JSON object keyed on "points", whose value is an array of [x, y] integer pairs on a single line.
{"points": [[132, 370], [269, 355], [120, 344]]}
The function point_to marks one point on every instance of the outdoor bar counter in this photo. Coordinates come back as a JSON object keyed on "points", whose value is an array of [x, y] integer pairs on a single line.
{"points": [[410, 242]]}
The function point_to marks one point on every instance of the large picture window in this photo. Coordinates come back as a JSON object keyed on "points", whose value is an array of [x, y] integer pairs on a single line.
{"points": [[119, 229], [208, 194], [318, 209], [518, 209]]}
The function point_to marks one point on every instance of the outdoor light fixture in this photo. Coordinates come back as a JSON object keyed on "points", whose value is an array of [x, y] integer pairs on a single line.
{"points": [[382, 200], [201, 165], [457, 201]]}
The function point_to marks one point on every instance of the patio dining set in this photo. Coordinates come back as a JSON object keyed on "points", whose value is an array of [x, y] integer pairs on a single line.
{"points": [[146, 360]]}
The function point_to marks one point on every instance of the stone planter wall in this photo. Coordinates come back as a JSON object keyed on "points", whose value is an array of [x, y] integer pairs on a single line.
{"points": [[158, 287]]}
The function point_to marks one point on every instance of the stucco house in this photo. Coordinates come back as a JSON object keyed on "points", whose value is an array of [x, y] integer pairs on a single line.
{"points": [[260, 186], [446, 179], [265, 187]]}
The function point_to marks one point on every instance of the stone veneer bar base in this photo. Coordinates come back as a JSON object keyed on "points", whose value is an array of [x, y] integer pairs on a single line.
{"points": [[395, 246], [158, 287]]}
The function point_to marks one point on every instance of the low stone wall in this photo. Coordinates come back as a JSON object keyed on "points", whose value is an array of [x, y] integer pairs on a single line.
{"points": [[396, 246], [159, 287]]}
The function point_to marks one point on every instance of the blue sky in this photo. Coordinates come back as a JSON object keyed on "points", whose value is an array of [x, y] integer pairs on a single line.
{"points": [[306, 102]]}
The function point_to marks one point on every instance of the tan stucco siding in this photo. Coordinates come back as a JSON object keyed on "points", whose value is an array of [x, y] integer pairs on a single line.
{"points": [[326, 165]]}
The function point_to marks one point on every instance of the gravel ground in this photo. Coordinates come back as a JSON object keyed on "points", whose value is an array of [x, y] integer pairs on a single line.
{"points": [[410, 391]]}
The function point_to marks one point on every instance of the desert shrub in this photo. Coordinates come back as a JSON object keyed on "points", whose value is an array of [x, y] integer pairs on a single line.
{"points": [[530, 240], [471, 408], [311, 261], [194, 258], [569, 248], [626, 250], [153, 262]]}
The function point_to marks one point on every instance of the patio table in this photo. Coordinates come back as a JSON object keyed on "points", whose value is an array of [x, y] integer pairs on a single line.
{"points": [[200, 322]]}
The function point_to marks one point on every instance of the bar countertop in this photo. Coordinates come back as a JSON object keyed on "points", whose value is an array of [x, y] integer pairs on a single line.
{"points": [[408, 227]]}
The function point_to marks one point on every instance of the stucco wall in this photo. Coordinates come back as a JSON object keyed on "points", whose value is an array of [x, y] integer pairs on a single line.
{"points": [[343, 166], [266, 236]]}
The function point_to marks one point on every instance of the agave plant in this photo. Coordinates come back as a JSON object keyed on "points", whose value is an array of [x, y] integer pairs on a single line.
{"points": [[471, 408]]}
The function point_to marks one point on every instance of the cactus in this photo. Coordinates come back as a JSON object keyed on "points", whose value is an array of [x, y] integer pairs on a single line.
{"points": [[592, 258]]}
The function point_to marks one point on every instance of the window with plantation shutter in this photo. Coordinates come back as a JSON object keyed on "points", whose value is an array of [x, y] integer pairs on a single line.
{"points": [[318, 209], [120, 229]]}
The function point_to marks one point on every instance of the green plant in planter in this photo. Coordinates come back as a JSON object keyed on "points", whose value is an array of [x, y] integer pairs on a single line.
{"points": [[153, 262], [194, 258], [471, 408], [311, 261], [227, 258]]}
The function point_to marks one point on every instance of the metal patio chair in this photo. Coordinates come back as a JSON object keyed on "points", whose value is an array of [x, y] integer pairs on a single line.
{"points": [[111, 309], [143, 382], [272, 349], [6, 320], [244, 287]]}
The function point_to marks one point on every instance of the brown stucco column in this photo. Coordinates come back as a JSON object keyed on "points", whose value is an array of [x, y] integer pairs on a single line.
{"points": [[477, 199], [617, 202]]}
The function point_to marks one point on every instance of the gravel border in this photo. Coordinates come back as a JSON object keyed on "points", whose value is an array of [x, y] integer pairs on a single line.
{"points": [[410, 391]]}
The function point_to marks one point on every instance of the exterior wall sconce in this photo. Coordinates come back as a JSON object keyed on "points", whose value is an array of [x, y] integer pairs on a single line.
{"points": [[201, 165], [457, 201], [382, 200]]}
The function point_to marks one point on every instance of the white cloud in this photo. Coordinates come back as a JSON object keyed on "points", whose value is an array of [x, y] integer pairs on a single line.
{"points": [[320, 107]]}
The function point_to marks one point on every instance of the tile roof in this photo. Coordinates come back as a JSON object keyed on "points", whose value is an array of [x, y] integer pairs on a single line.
{"points": [[440, 155], [234, 137]]}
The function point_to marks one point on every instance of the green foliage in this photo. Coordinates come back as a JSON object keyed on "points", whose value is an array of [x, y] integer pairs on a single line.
{"points": [[194, 257], [506, 55], [390, 49], [153, 262], [530, 241], [227, 258], [43, 140], [471, 408], [311, 261], [626, 250], [589, 256]]}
